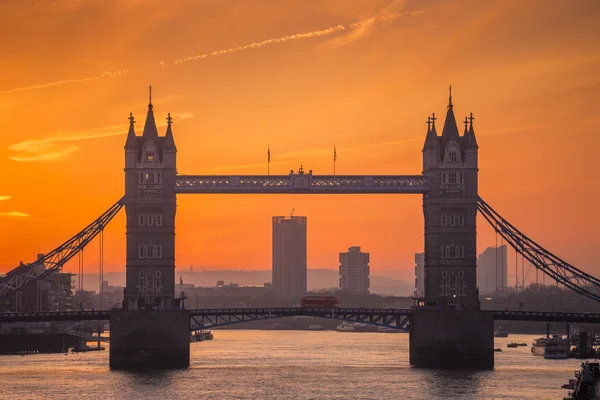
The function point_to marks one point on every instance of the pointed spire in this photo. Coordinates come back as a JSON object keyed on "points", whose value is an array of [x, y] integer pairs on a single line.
{"points": [[169, 140], [471, 140], [131, 142], [431, 139], [150, 131], [450, 128]]}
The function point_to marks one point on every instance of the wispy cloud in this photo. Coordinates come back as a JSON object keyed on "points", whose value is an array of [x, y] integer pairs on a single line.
{"points": [[355, 30], [15, 214], [55, 147], [63, 82], [4, 198]]}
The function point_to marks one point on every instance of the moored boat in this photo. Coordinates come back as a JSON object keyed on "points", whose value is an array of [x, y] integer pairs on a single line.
{"points": [[585, 385], [557, 348], [538, 345]]}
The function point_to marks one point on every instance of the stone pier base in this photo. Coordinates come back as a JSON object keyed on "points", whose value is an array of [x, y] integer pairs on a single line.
{"points": [[442, 338], [149, 339]]}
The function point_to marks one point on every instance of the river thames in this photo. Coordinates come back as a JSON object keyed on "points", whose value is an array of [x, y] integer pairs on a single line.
{"points": [[247, 364]]}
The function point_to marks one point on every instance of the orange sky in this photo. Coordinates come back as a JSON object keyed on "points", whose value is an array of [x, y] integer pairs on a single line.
{"points": [[361, 75]]}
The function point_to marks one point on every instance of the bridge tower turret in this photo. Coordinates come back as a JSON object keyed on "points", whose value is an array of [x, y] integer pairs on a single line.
{"points": [[450, 212], [150, 202]]}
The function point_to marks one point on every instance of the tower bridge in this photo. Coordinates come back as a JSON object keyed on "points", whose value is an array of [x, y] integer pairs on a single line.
{"points": [[447, 326]]}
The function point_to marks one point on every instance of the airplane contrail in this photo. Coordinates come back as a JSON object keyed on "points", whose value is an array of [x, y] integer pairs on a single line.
{"points": [[255, 45], [298, 36]]}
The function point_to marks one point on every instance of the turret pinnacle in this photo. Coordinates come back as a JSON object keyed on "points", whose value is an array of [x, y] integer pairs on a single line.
{"points": [[431, 140], [150, 131], [169, 140], [131, 142], [471, 140]]}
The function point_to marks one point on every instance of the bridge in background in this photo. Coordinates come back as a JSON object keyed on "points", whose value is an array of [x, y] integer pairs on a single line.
{"points": [[385, 317], [451, 203]]}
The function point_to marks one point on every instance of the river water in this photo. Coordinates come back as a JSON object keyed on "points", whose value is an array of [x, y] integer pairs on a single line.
{"points": [[288, 365]]}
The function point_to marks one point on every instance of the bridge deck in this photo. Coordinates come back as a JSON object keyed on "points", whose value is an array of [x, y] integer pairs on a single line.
{"points": [[378, 316], [301, 183]]}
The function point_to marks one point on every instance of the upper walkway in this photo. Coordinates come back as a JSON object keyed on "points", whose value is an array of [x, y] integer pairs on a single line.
{"points": [[301, 183]]}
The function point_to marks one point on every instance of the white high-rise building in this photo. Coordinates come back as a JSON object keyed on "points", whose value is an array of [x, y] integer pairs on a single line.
{"points": [[354, 271], [492, 274], [420, 275]]}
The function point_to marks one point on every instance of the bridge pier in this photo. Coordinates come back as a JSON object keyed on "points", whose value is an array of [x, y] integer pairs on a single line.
{"points": [[443, 338], [149, 339]]}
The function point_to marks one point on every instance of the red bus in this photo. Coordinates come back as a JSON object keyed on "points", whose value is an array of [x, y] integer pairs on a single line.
{"points": [[313, 301]]}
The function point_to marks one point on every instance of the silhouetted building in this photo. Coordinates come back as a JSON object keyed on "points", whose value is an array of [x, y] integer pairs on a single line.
{"points": [[420, 275], [354, 271], [289, 256], [450, 165], [492, 272], [150, 203], [54, 292]]}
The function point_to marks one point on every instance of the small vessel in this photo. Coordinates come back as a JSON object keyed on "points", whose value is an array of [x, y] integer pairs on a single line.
{"points": [[538, 345], [202, 336], [385, 329], [345, 327], [498, 349], [513, 344], [274, 327], [355, 327], [316, 327], [83, 349], [557, 348], [585, 385]]}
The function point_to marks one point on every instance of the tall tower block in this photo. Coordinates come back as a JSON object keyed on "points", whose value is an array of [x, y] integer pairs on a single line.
{"points": [[450, 212], [150, 202]]}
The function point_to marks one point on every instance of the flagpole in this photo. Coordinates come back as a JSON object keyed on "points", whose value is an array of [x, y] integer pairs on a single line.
{"points": [[269, 161], [334, 160]]}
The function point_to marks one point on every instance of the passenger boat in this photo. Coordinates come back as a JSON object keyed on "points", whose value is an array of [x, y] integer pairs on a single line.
{"points": [[557, 348], [202, 336], [512, 345], [355, 327], [586, 383], [538, 345]]}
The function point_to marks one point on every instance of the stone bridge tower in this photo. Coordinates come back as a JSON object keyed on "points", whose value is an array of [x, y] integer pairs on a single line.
{"points": [[450, 211], [150, 201]]}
